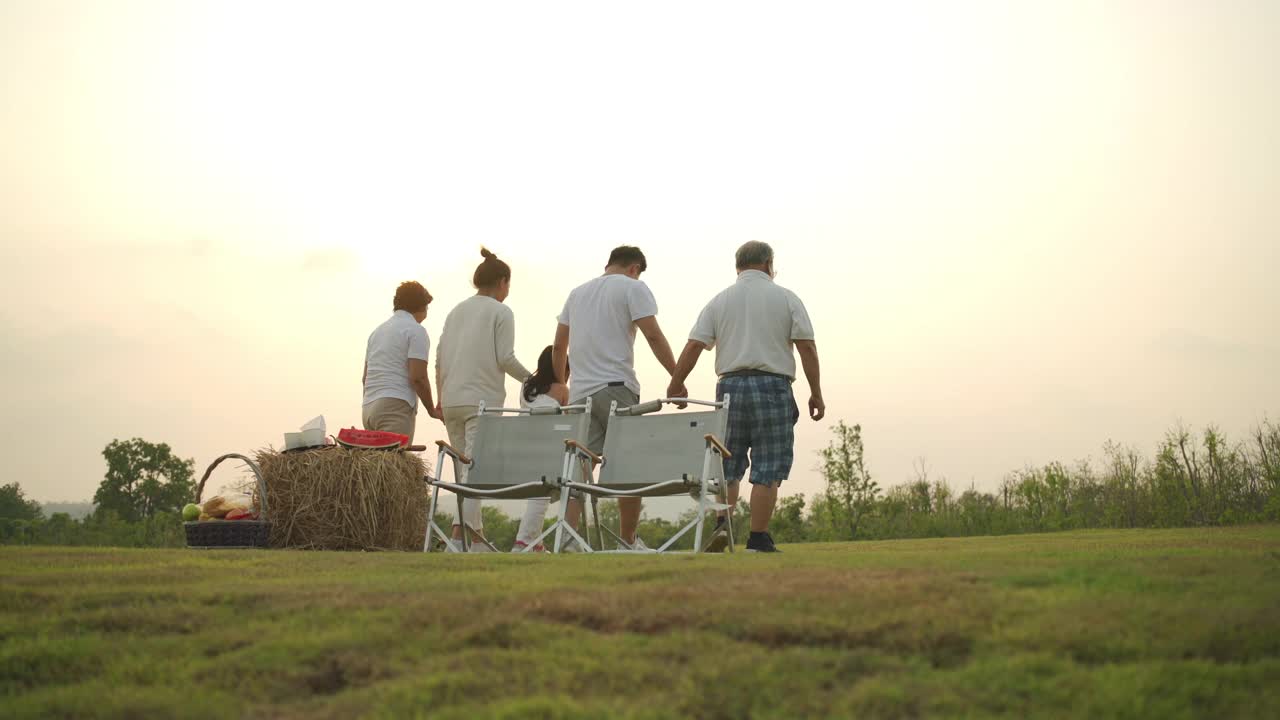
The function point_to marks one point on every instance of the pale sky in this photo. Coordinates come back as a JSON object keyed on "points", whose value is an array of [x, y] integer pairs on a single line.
{"points": [[1021, 228]]}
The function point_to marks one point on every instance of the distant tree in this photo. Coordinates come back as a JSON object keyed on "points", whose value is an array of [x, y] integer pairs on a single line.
{"points": [[741, 519], [499, 528], [59, 529], [655, 531], [609, 515], [143, 479], [76, 510], [849, 484], [1266, 466], [787, 523], [15, 506], [1123, 484]]}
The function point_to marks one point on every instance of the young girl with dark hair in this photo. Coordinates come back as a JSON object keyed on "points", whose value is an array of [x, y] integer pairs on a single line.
{"points": [[477, 348], [540, 390]]}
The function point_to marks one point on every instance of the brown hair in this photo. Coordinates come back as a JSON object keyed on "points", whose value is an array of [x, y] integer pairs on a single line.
{"points": [[411, 297], [490, 271]]}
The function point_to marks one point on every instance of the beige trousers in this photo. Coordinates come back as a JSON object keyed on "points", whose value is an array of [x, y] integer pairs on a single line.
{"points": [[391, 415], [460, 423]]}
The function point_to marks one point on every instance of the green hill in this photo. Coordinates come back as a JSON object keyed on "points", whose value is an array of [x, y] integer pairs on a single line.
{"points": [[1168, 624]]}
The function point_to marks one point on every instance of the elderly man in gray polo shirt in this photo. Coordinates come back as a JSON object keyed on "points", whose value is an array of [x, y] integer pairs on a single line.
{"points": [[753, 326]]}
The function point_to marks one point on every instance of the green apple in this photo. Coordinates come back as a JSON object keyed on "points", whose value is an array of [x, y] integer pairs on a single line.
{"points": [[191, 512]]}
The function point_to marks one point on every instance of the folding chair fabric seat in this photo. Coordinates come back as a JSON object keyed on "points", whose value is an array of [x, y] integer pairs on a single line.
{"points": [[663, 455], [514, 456], [646, 454]]}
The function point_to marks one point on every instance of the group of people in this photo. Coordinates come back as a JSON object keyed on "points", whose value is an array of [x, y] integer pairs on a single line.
{"points": [[755, 327]]}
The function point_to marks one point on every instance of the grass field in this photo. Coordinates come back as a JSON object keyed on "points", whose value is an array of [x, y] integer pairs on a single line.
{"points": [[1165, 624]]}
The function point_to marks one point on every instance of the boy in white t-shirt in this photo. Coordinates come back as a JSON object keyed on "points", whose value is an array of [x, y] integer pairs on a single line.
{"points": [[598, 330]]}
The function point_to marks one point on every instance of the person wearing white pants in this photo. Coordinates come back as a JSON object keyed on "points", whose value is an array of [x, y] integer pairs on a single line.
{"points": [[540, 390], [476, 351]]}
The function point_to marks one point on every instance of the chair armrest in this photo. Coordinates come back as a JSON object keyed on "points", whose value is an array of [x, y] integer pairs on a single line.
{"points": [[451, 450], [714, 442], [643, 408], [582, 449]]}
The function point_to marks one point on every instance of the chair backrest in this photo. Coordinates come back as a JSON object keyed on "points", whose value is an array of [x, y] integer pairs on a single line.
{"points": [[515, 449], [647, 449]]}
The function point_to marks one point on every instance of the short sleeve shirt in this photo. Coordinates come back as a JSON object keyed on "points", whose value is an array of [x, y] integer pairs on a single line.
{"points": [[601, 315], [390, 348], [753, 325]]}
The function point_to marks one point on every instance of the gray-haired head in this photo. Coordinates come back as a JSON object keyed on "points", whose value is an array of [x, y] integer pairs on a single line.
{"points": [[754, 253]]}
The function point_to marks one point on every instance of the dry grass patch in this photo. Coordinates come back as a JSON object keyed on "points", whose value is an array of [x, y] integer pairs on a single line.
{"points": [[895, 612]]}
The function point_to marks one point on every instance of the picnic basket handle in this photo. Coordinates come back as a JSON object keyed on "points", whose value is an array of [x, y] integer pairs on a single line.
{"points": [[257, 473]]}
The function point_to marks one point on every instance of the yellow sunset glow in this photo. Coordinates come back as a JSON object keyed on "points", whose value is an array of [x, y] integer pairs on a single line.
{"points": [[1020, 228]]}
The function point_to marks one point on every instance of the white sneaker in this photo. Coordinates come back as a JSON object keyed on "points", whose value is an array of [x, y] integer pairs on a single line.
{"points": [[639, 546], [523, 547]]}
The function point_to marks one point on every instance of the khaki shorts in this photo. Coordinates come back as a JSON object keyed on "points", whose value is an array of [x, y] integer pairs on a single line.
{"points": [[391, 415], [600, 402]]}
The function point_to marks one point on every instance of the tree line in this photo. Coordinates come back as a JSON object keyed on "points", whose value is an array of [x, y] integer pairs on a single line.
{"points": [[137, 504], [1194, 479]]}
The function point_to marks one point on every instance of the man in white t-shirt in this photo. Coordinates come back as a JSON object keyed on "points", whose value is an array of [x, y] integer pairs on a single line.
{"points": [[598, 330], [753, 326], [395, 365]]}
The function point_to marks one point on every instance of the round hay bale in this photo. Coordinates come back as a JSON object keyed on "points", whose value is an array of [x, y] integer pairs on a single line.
{"points": [[338, 498]]}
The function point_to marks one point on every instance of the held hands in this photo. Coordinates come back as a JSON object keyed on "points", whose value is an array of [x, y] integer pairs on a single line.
{"points": [[435, 412], [817, 408], [678, 390]]}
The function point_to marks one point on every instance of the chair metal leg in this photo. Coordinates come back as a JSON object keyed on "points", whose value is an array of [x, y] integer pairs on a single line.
{"points": [[702, 499], [585, 469], [702, 516], [595, 511], [564, 509], [467, 530], [431, 518], [466, 546], [616, 537], [728, 513]]}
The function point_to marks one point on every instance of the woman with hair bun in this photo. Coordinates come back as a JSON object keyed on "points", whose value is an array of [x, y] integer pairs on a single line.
{"points": [[476, 351]]}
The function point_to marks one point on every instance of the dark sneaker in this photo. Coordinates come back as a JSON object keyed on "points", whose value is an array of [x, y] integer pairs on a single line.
{"points": [[761, 542], [719, 538]]}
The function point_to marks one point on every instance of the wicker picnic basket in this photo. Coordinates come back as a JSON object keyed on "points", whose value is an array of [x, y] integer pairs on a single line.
{"points": [[229, 534]]}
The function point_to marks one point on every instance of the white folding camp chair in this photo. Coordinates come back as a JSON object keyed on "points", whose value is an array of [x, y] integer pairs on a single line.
{"points": [[671, 454], [517, 454]]}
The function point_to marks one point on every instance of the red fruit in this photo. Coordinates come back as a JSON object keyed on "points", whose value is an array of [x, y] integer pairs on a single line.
{"points": [[240, 515]]}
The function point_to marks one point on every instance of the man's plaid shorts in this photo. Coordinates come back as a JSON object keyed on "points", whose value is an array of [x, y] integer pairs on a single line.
{"points": [[762, 418]]}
